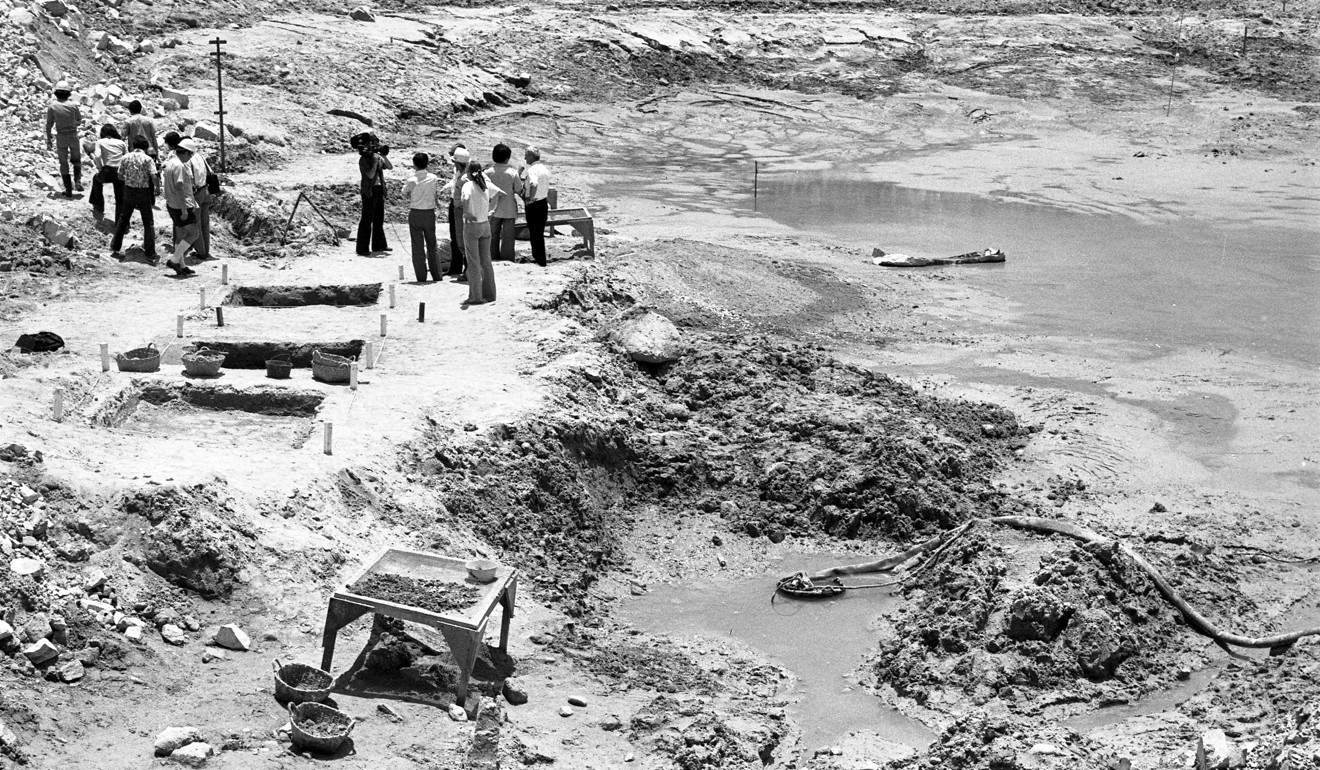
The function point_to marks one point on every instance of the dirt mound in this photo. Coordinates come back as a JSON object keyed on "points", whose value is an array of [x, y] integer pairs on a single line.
{"points": [[189, 541]]}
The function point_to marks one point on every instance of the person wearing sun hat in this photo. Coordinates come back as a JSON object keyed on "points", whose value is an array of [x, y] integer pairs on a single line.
{"points": [[64, 117], [178, 185], [460, 159]]}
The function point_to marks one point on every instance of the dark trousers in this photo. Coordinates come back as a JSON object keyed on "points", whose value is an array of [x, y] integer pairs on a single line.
{"points": [[137, 199], [371, 228], [501, 238], [425, 252], [456, 262], [537, 213], [107, 175]]}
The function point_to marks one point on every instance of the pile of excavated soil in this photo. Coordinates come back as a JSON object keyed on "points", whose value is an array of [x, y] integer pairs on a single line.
{"points": [[439, 596]]}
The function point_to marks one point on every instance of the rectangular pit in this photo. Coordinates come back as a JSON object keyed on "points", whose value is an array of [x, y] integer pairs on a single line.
{"points": [[343, 295], [270, 415], [253, 355]]}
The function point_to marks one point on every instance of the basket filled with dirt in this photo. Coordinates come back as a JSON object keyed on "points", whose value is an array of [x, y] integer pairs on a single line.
{"points": [[139, 359], [203, 362], [317, 727], [301, 683], [439, 596]]}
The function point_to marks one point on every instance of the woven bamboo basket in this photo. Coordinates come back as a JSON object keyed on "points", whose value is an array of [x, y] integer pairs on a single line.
{"points": [[203, 362], [338, 723], [279, 367], [328, 367], [139, 359], [298, 672]]}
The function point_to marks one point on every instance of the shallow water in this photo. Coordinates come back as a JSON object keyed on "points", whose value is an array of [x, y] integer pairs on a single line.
{"points": [[821, 642], [1251, 288]]}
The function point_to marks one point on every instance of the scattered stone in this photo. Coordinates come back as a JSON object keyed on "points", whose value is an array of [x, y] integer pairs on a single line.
{"points": [[515, 692], [40, 652], [55, 8], [133, 634], [25, 567], [88, 656], [611, 723], [167, 616], [172, 634], [457, 713], [1036, 614], [172, 738], [29, 495], [6, 630], [576, 701], [194, 754], [207, 132], [179, 98], [72, 672], [362, 13], [232, 637], [649, 338], [389, 712], [1218, 749], [37, 628], [95, 579], [209, 656], [565, 711], [191, 624], [629, 757]]}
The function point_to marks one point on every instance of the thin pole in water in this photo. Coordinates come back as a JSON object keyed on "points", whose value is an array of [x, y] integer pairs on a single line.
{"points": [[756, 178]]}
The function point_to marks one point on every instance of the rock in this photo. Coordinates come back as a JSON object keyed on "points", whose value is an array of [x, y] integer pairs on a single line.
{"points": [[178, 97], [576, 701], [146, 46], [172, 634], [515, 692], [362, 13], [37, 628], [167, 616], [389, 712], [611, 723], [194, 754], [40, 652], [120, 47], [232, 637], [56, 233], [649, 338], [207, 132], [676, 411], [1036, 614], [29, 495], [457, 713], [22, 17], [776, 533], [209, 656], [6, 630], [71, 672], [55, 8], [26, 567], [88, 656], [7, 737], [191, 624], [172, 738], [1092, 634], [133, 634], [1218, 749], [565, 711], [94, 580]]}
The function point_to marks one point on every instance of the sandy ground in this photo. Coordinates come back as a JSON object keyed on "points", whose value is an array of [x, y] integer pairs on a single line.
{"points": [[1224, 443]]}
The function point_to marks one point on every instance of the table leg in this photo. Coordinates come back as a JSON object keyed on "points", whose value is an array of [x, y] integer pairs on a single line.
{"points": [[464, 645], [507, 601], [340, 614]]}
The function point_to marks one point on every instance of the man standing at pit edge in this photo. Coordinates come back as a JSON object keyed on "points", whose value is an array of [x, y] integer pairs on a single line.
{"points": [[65, 117], [178, 185], [536, 191]]}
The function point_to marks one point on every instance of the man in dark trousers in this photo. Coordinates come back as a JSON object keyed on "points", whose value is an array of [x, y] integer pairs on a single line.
{"points": [[372, 163], [65, 117], [137, 171], [141, 125], [458, 158], [536, 191]]}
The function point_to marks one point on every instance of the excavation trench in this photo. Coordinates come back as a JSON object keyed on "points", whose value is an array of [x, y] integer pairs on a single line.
{"points": [[254, 355], [265, 414], [361, 294]]}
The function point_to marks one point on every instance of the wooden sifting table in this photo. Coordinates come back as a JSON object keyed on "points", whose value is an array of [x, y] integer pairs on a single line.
{"points": [[579, 219], [463, 630]]}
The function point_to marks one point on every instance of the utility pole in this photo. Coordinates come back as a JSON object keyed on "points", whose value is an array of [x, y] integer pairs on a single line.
{"points": [[220, 91]]}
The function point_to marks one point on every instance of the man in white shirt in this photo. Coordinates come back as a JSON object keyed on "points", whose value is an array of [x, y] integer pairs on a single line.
{"points": [[504, 177], [536, 189], [178, 185], [422, 192]]}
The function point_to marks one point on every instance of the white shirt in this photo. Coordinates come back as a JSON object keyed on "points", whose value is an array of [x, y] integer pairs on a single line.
{"points": [[422, 190], [537, 176], [476, 201]]}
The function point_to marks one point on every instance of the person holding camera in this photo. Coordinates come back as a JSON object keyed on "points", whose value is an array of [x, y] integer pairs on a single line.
{"points": [[372, 163], [178, 184]]}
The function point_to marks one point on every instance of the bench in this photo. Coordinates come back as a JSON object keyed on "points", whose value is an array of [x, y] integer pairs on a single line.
{"points": [[579, 219]]}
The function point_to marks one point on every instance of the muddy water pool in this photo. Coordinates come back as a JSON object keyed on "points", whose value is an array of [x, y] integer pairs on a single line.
{"points": [[822, 642]]}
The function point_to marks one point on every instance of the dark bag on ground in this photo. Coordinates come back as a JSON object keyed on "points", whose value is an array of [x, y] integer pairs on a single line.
{"points": [[41, 342]]}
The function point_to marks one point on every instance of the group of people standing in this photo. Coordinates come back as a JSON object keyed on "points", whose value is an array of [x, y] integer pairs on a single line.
{"points": [[128, 162], [481, 205]]}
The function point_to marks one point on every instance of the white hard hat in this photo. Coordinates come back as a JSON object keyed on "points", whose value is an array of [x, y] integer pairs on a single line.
{"points": [[63, 85]]}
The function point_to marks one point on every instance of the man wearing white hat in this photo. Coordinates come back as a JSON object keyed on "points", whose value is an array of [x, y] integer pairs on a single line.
{"points": [[178, 185], [460, 158], [65, 117]]}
